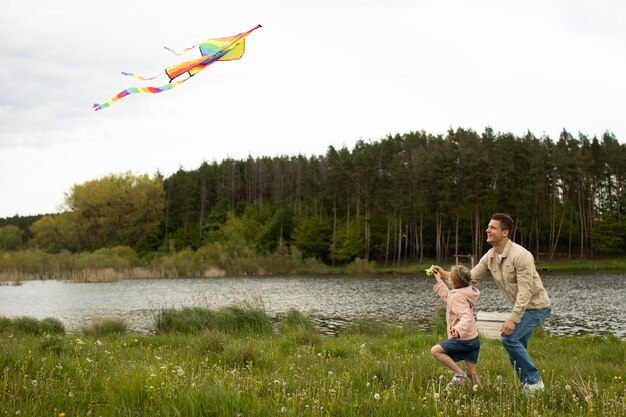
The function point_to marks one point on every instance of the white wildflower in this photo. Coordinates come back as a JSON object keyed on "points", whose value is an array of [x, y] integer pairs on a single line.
{"points": [[377, 396]]}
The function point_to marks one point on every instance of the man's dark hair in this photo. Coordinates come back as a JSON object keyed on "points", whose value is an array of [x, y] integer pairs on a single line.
{"points": [[506, 222]]}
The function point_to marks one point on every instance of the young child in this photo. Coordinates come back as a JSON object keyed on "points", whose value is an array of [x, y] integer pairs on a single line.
{"points": [[462, 342]]}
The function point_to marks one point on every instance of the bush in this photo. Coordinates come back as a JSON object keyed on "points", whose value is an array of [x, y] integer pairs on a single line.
{"points": [[361, 266], [51, 325], [105, 327], [180, 264], [314, 266], [294, 319], [300, 329], [186, 320], [26, 325], [249, 319], [227, 319]]}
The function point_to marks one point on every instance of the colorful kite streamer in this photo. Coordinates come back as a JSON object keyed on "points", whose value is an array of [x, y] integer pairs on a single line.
{"points": [[212, 50]]}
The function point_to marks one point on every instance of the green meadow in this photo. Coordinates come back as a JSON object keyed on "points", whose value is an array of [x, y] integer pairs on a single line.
{"points": [[237, 361]]}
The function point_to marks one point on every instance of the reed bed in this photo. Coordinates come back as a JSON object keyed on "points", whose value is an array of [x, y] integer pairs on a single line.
{"points": [[233, 364], [119, 263]]}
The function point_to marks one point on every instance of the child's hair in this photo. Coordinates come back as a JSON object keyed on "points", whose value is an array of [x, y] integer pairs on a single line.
{"points": [[461, 277]]}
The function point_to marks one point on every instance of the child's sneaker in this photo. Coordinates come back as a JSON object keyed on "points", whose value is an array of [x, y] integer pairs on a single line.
{"points": [[458, 379]]}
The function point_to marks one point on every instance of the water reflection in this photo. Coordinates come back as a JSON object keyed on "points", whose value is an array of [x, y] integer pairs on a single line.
{"points": [[582, 303]]}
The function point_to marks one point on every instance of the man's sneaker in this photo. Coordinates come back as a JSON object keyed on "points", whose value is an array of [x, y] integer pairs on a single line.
{"points": [[458, 379], [533, 388]]}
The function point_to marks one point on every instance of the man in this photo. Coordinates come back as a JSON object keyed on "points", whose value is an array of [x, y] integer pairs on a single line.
{"points": [[513, 269]]}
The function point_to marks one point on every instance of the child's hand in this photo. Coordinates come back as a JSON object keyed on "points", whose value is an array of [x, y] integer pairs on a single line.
{"points": [[435, 271], [439, 271], [454, 333]]}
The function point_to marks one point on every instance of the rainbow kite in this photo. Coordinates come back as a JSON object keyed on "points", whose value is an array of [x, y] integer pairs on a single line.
{"points": [[212, 50]]}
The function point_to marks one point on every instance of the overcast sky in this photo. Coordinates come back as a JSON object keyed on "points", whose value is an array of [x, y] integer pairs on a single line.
{"points": [[318, 73]]}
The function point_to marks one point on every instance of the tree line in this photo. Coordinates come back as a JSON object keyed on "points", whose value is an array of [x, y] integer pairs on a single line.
{"points": [[402, 198]]}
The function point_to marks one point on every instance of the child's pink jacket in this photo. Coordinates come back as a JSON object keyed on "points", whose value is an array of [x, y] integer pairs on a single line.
{"points": [[460, 304]]}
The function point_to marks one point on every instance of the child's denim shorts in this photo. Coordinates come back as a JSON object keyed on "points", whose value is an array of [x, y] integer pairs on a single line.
{"points": [[462, 349]]}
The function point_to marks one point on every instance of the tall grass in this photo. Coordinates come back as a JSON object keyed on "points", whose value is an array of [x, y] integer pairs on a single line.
{"points": [[227, 319], [105, 326], [213, 260], [224, 371], [31, 326]]}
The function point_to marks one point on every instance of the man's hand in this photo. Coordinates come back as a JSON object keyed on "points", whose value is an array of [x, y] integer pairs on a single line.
{"points": [[507, 328]]}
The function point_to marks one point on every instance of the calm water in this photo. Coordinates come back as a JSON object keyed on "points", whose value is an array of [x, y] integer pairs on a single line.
{"points": [[582, 303]]}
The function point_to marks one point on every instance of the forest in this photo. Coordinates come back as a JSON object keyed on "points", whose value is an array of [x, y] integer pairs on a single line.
{"points": [[399, 199]]}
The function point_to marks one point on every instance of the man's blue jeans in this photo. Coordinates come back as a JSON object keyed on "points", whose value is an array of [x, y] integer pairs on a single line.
{"points": [[516, 344]]}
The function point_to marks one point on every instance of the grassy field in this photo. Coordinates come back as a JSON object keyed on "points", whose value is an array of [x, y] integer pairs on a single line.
{"points": [[236, 362]]}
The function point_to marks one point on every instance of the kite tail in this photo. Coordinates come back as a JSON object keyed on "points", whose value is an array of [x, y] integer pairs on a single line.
{"points": [[181, 52], [136, 90], [132, 74]]}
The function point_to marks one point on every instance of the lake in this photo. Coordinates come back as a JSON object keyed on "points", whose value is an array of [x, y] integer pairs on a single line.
{"points": [[583, 303]]}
